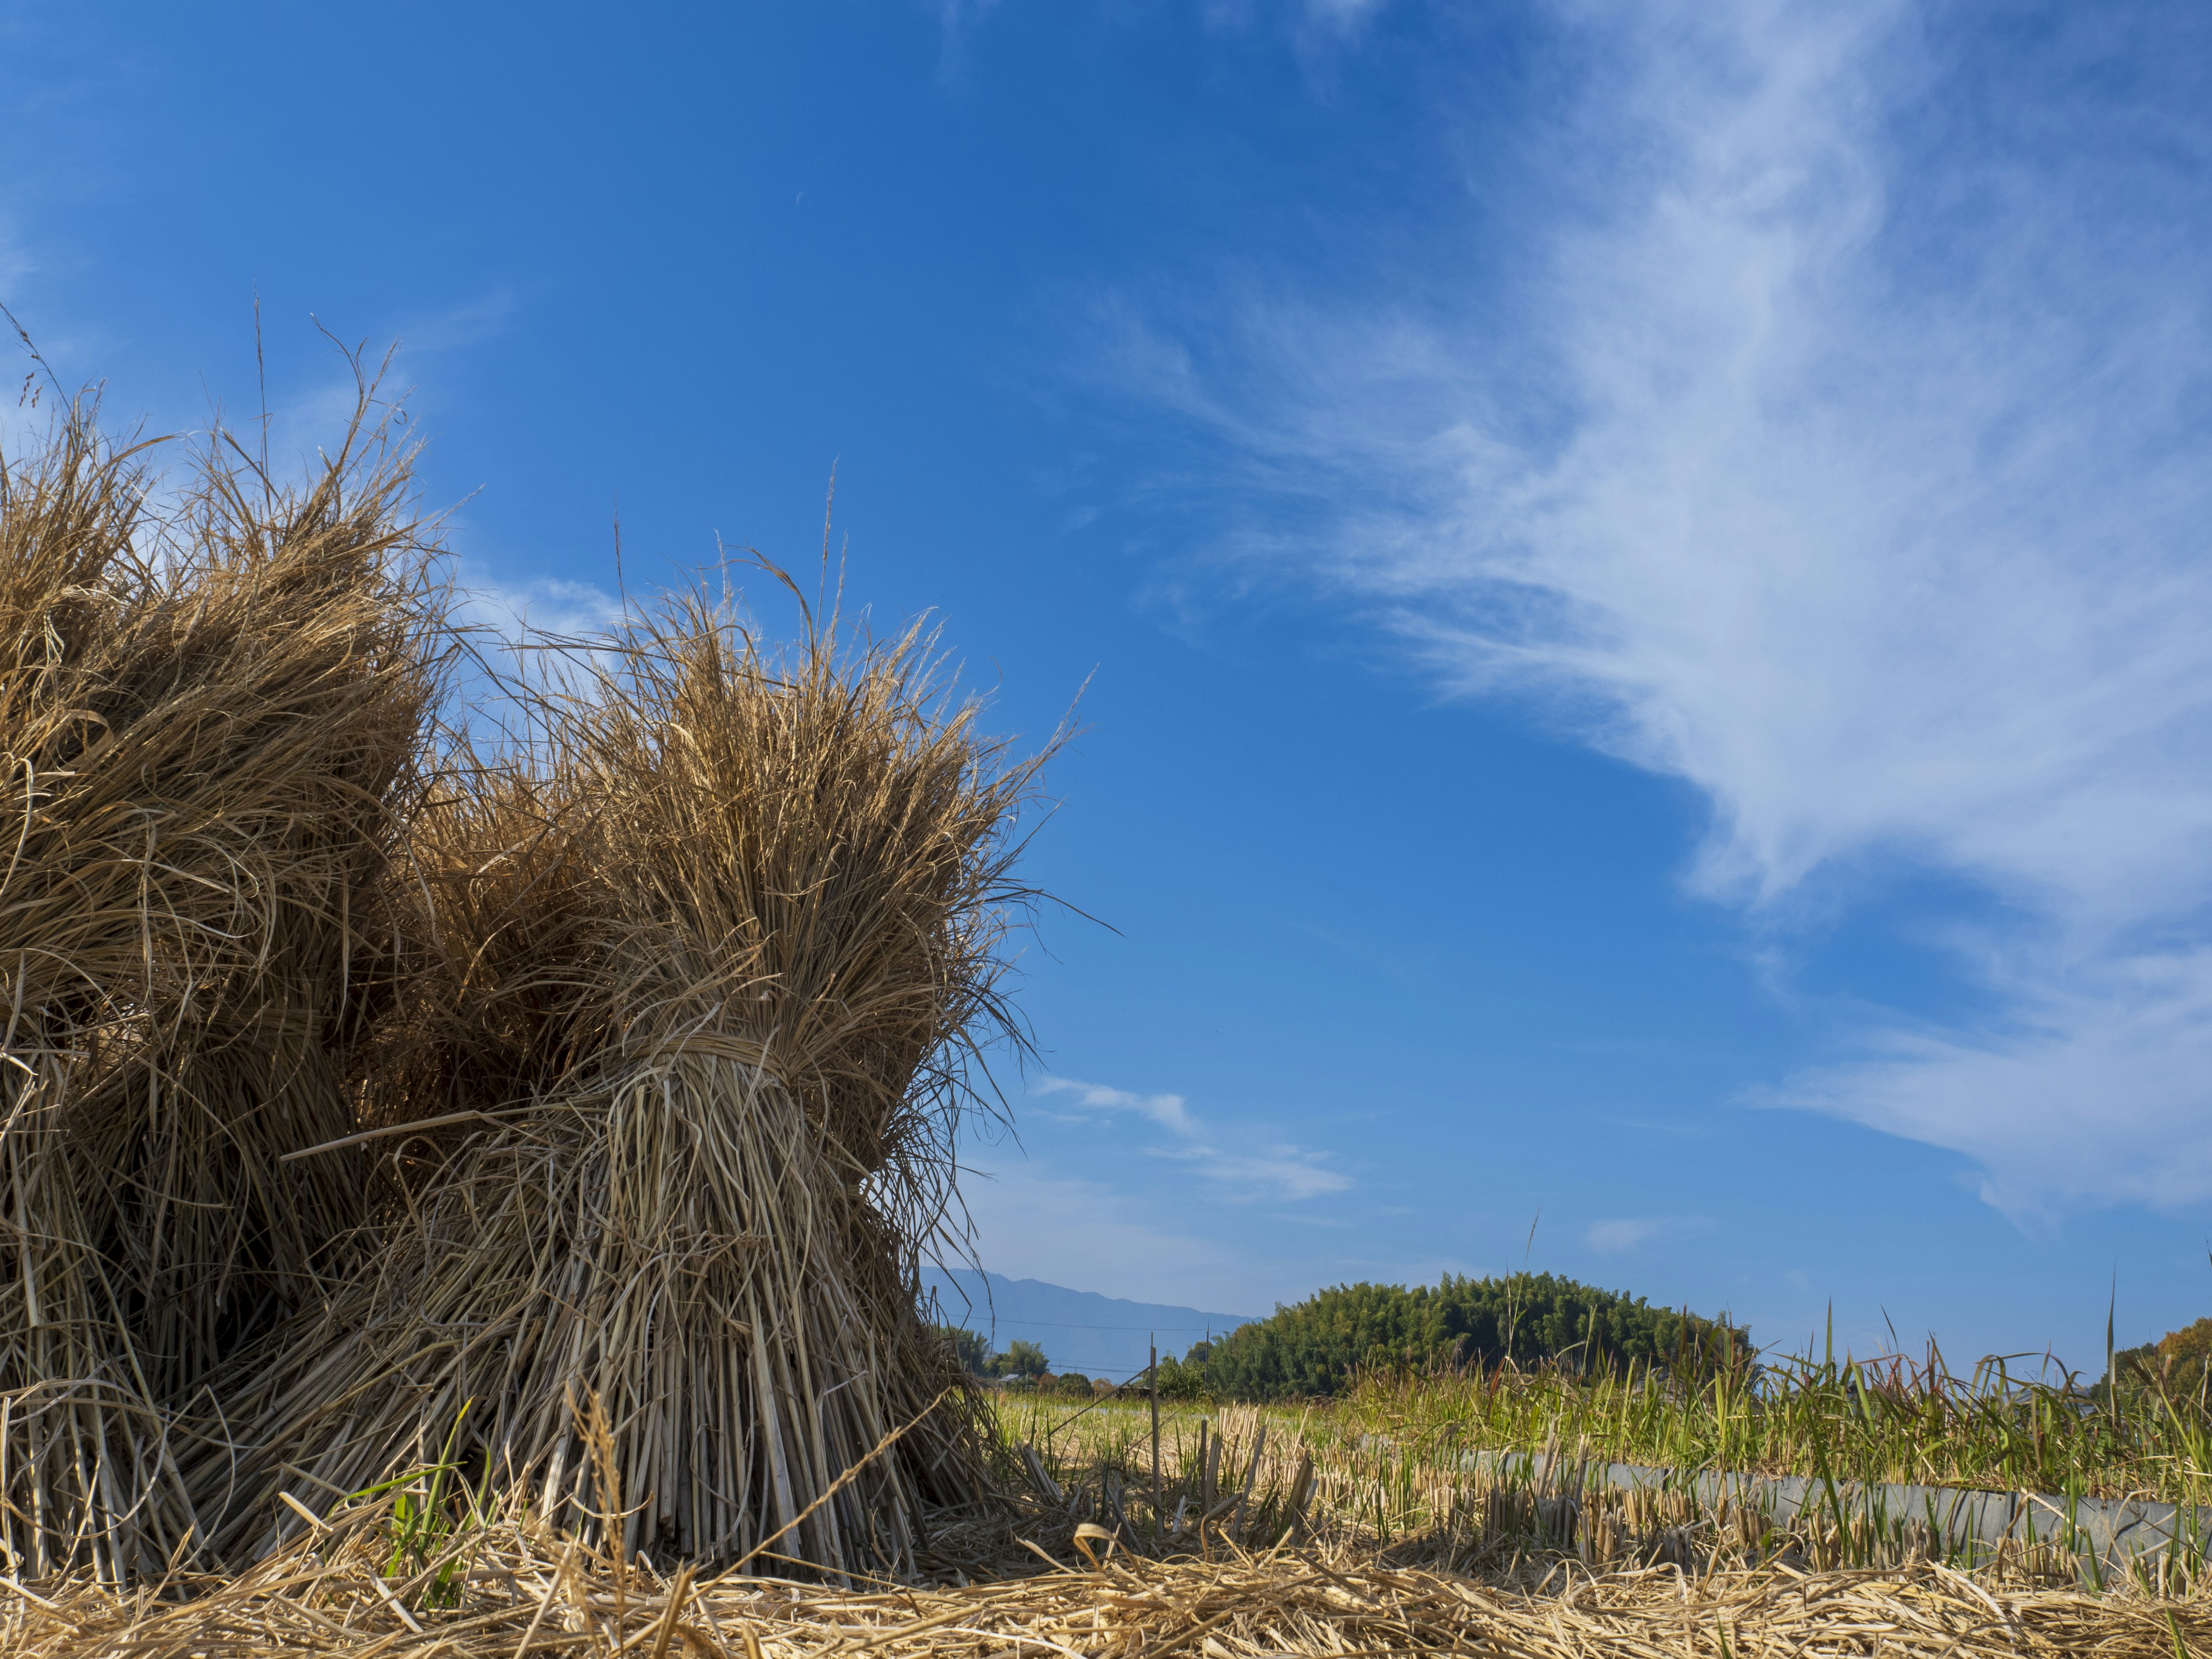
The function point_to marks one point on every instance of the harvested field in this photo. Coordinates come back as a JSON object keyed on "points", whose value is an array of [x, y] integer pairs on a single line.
{"points": [[1247, 1476], [468, 1200]]}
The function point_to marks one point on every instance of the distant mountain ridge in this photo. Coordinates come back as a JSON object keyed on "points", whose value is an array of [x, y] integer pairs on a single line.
{"points": [[1079, 1330]]}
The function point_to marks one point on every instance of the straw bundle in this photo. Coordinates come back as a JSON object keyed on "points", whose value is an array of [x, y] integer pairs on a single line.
{"points": [[211, 724], [696, 984]]}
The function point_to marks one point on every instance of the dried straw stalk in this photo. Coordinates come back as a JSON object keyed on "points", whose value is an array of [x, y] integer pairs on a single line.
{"points": [[211, 722], [709, 963]]}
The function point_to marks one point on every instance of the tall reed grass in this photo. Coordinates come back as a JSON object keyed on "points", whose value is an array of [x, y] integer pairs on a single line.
{"points": [[1999, 1426]]}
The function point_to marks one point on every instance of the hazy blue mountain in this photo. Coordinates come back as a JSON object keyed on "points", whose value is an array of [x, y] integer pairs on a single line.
{"points": [[1079, 1330]]}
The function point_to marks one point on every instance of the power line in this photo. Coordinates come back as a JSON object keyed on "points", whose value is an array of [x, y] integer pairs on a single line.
{"points": [[1058, 1325]]}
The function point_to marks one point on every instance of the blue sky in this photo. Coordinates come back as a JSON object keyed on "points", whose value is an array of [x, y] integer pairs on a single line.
{"points": [[1641, 570]]}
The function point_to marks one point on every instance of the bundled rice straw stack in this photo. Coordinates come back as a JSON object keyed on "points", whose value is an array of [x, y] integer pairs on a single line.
{"points": [[210, 724], [574, 1113], [696, 977]]}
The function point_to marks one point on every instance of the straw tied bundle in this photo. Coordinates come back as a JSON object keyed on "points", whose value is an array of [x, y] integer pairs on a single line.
{"points": [[734, 920], [571, 1117]]}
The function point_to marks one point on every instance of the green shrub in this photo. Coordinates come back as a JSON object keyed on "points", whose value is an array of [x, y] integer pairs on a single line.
{"points": [[2182, 1356]]}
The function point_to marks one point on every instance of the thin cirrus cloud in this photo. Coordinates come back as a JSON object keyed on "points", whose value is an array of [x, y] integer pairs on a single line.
{"points": [[1849, 455], [1332, 21], [1623, 1234], [1274, 1170], [516, 613], [1077, 1099]]}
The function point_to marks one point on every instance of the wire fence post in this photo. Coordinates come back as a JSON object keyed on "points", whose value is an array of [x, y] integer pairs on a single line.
{"points": [[1159, 1491]]}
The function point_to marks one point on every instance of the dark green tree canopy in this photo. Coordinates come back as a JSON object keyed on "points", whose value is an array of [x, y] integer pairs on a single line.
{"points": [[1316, 1347], [1185, 1378], [1021, 1358]]}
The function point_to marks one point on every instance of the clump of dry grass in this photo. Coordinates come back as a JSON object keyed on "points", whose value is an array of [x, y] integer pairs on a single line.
{"points": [[671, 1100], [212, 722]]}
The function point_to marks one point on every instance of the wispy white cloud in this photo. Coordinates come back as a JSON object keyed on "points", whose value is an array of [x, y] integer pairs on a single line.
{"points": [[1622, 1234], [1166, 1110], [1277, 1169], [515, 612], [464, 324], [535, 632], [957, 20], [2097, 1093], [1848, 454], [1341, 17], [1286, 1171], [1614, 1237]]}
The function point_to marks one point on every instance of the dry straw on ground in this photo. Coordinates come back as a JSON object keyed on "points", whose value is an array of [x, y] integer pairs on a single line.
{"points": [[522, 1595]]}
